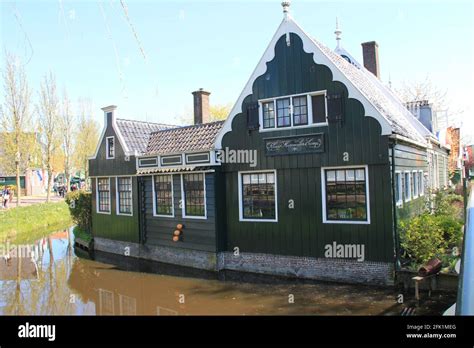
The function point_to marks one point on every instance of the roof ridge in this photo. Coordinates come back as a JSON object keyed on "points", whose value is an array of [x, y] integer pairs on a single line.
{"points": [[189, 126], [147, 122]]}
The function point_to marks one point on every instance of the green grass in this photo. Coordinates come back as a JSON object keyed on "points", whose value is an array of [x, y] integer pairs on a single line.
{"points": [[26, 224]]}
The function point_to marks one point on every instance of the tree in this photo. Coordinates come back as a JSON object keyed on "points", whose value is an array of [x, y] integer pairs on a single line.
{"points": [[87, 136], [219, 112], [48, 109], [15, 116], [66, 122]]}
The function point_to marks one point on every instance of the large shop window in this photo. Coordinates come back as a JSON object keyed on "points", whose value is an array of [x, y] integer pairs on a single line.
{"points": [[103, 195], [346, 195], [258, 196], [194, 192], [124, 196], [163, 189]]}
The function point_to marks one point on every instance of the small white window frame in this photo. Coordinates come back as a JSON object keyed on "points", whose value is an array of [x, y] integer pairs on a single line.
{"points": [[154, 196], [107, 147], [421, 178], [183, 198], [241, 207], [117, 200], [367, 196], [97, 203], [399, 187], [292, 126], [415, 179], [407, 184]]}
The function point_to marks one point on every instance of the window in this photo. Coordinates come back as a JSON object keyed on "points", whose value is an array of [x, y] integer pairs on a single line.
{"points": [[283, 112], [257, 196], [103, 195], [407, 186], [398, 188], [300, 110], [163, 193], [294, 111], [124, 196], [110, 148], [421, 184], [415, 184], [346, 195], [194, 195], [268, 114]]}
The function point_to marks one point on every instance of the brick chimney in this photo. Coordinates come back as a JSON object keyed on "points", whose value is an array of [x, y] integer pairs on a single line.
{"points": [[370, 52], [201, 106]]}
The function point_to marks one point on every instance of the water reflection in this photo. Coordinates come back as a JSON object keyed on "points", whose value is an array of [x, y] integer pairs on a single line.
{"points": [[51, 279]]}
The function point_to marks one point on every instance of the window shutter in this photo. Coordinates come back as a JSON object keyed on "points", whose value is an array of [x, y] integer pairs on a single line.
{"points": [[335, 107], [252, 116], [318, 103]]}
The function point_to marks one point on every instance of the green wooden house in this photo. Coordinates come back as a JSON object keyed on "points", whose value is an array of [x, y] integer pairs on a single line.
{"points": [[307, 177]]}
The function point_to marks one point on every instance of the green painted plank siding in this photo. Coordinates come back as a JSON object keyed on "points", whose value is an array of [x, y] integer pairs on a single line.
{"points": [[101, 166], [300, 231], [198, 234], [113, 226]]}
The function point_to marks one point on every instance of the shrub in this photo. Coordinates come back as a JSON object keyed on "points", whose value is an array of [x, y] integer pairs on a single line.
{"points": [[452, 230], [422, 238], [80, 206]]}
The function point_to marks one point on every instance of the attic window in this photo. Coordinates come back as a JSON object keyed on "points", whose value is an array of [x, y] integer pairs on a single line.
{"points": [[110, 147]]}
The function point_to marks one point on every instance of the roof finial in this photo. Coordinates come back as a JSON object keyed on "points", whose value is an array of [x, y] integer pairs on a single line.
{"points": [[286, 8], [338, 32]]}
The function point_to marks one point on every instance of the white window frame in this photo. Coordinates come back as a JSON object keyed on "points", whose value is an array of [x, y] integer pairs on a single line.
{"points": [[154, 196], [421, 178], [399, 186], [415, 179], [97, 203], [117, 200], [407, 184], [183, 198], [241, 207], [107, 147], [367, 197], [291, 96]]}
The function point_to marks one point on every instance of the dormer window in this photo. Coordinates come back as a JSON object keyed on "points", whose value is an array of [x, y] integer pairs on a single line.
{"points": [[302, 110], [110, 147]]}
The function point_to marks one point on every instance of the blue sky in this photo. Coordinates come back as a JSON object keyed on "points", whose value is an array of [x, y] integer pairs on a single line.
{"points": [[217, 44]]}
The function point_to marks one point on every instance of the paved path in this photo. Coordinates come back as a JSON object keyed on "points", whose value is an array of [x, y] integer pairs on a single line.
{"points": [[29, 200]]}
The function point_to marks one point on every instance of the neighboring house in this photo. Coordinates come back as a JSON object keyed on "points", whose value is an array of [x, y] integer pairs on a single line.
{"points": [[32, 181], [316, 153]]}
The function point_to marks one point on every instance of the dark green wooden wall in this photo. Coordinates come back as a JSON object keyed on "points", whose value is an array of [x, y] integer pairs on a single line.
{"points": [[113, 226], [101, 166], [301, 231], [198, 234]]}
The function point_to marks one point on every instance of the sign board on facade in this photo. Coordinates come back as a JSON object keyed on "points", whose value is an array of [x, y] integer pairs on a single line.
{"points": [[299, 144]]}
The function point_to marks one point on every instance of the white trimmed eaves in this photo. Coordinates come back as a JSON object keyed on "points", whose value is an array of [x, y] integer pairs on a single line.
{"points": [[309, 46], [117, 132]]}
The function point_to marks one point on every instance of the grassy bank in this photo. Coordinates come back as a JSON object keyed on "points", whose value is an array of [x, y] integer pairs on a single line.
{"points": [[24, 224]]}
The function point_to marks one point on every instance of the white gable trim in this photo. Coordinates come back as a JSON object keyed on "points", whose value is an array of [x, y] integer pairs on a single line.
{"points": [[309, 46], [117, 133]]}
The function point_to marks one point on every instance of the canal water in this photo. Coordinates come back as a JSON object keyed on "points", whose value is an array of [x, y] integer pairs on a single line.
{"points": [[56, 279]]}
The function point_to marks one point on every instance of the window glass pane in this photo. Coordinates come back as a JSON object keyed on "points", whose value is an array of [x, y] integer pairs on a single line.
{"points": [[110, 147], [300, 111], [283, 112], [194, 194], [124, 195], [103, 191], [164, 194], [268, 115], [346, 195], [258, 196]]}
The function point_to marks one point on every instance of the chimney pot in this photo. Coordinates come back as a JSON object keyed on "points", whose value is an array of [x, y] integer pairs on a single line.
{"points": [[370, 52], [201, 106]]}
